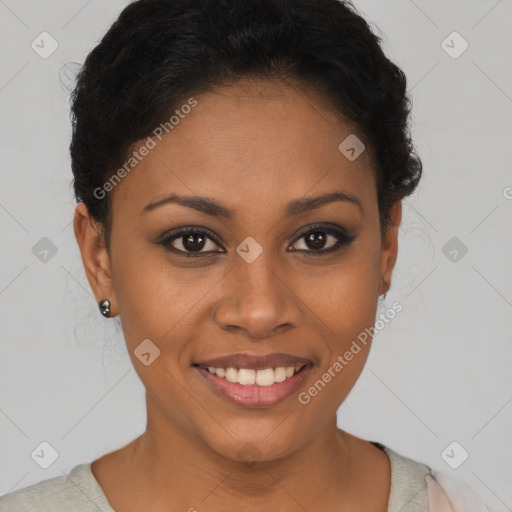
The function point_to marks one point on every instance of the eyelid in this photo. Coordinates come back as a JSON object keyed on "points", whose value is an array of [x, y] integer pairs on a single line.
{"points": [[326, 227]]}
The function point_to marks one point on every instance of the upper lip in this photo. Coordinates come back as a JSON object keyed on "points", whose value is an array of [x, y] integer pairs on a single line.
{"points": [[256, 362]]}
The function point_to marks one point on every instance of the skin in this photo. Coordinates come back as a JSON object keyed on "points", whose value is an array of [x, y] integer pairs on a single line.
{"points": [[253, 147]]}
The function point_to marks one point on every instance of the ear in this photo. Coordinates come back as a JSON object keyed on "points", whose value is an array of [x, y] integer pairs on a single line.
{"points": [[95, 258], [389, 248]]}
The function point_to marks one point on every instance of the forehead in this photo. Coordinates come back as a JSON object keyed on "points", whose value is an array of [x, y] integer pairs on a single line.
{"points": [[250, 142]]}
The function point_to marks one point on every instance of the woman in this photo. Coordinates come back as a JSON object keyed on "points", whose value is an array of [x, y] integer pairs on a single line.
{"points": [[239, 167]]}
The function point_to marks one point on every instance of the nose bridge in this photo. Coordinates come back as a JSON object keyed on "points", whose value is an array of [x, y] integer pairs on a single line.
{"points": [[258, 281], [254, 265], [257, 299]]}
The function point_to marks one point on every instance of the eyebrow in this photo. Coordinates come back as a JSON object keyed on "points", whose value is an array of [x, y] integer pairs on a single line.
{"points": [[211, 207]]}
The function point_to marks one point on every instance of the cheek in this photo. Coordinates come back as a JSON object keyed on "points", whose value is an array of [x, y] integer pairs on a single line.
{"points": [[164, 303], [347, 312], [344, 294], [345, 302], [157, 303]]}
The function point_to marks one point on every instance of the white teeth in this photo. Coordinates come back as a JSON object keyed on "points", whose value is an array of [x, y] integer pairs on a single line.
{"points": [[265, 377], [232, 374], [280, 374], [248, 377]]}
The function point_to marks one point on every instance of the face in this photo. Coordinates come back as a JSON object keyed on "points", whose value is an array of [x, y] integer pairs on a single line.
{"points": [[264, 270]]}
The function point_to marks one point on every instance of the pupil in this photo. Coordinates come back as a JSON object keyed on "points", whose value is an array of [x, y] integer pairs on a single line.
{"points": [[189, 242], [316, 240]]}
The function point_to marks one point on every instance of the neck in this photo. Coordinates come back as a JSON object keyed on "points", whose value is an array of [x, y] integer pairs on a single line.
{"points": [[169, 462]]}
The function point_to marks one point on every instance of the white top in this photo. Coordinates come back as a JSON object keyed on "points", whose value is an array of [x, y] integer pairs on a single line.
{"points": [[414, 488]]}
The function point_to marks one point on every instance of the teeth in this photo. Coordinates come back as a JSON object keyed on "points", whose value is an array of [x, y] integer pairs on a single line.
{"points": [[232, 375], [280, 374], [265, 377], [248, 377]]}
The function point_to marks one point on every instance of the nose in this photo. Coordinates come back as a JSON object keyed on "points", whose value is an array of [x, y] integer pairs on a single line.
{"points": [[258, 299]]}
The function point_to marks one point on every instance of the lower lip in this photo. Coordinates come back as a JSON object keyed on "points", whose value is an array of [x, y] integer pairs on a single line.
{"points": [[253, 395]]}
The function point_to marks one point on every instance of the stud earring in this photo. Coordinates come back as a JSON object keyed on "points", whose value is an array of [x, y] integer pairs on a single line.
{"points": [[386, 287], [105, 307]]}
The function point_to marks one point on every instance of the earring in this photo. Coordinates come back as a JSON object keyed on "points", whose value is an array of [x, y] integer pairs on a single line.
{"points": [[105, 307], [386, 287]]}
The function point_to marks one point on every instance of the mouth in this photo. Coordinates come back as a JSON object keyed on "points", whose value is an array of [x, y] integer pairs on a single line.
{"points": [[257, 385]]}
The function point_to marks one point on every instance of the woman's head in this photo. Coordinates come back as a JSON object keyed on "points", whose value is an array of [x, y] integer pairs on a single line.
{"points": [[261, 107]]}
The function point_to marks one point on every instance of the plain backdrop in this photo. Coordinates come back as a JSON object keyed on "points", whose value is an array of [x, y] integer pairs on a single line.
{"points": [[437, 386]]}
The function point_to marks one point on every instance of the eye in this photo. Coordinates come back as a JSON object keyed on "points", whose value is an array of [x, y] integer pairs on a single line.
{"points": [[190, 242], [318, 237]]}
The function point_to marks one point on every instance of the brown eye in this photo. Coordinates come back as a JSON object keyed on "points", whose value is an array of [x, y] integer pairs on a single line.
{"points": [[316, 240], [322, 240], [191, 242]]}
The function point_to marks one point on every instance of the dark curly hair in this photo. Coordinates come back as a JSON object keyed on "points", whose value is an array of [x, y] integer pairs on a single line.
{"points": [[160, 52]]}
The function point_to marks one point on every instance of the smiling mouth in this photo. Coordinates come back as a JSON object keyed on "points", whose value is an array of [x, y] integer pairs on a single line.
{"points": [[250, 376], [249, 387]]}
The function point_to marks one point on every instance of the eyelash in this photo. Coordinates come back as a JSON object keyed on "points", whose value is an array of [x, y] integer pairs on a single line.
{"points": [[343, 239]]}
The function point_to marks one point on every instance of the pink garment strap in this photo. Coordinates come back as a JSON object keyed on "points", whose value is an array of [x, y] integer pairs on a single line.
{"points": [[446, 494], [437, 499]]}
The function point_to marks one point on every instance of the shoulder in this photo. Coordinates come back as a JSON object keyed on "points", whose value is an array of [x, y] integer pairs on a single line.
{"points": [[408, 478], [416, 487], [79, 490]]}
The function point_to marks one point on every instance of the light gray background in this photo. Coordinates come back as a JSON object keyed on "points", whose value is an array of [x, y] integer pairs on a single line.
{"points": [[438, 373]]}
